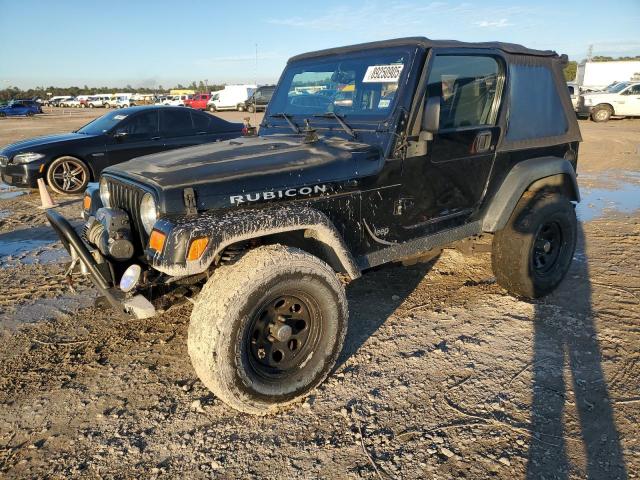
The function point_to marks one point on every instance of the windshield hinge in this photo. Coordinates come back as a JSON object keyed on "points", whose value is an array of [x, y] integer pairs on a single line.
{"points": [[190, 201]]}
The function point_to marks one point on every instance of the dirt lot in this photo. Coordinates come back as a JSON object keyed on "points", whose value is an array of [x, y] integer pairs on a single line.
{"points": [[444, 375]]}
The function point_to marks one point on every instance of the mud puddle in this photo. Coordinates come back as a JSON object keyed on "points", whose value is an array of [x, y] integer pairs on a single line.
{"points": [[29, 246], [46, 310], [618, 195]]}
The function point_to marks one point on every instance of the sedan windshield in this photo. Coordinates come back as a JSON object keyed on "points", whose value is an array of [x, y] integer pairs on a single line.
{"points": [[103, 124], [618, 87], [362, 84]]}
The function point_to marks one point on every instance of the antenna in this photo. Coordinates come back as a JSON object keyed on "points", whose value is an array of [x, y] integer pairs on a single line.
{"points": [[255, 105]]}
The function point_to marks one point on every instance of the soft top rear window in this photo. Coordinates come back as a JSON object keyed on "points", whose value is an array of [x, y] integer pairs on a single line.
{"points": [[535, 109]]}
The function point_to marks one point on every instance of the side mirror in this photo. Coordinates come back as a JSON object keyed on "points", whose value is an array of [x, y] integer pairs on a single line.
{"points": [[431, 115], [429, 125]]}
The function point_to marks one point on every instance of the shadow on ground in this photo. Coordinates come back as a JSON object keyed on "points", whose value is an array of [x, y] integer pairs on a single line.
{"points": [[556, 343]]}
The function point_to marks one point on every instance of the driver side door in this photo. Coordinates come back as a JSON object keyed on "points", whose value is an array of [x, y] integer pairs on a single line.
{"points": [[629, 101], [135, 136]]}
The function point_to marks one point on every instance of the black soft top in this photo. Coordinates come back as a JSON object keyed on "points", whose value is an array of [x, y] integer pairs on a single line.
{"points": [[512, 48]]}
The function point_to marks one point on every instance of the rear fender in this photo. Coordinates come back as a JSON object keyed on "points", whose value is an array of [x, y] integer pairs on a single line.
{"points": [[240, 225], [532, 174]]}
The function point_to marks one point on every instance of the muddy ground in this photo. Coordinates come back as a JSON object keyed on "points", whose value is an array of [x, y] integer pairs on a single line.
{"points": [[444, 375]]}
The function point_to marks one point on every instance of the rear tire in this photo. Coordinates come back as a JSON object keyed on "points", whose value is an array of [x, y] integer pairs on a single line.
{"points": [[601, 113], [240, 310], [533, 252]]}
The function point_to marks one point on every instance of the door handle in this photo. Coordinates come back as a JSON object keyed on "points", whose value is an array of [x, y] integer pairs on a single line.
{"points": [[155, 138], [482, 142]]}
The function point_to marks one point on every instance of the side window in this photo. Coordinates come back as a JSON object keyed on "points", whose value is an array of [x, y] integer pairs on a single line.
{"points": [[201, 122], [175, 123], [535, 108], [142, 126], [467, 86], [634, 90]]}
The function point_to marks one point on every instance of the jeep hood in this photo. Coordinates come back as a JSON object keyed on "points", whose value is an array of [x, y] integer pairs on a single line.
{"points": [[248, 164]]}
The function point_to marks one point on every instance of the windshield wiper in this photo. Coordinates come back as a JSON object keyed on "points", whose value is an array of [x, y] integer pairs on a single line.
{"points": [[287, 117], [340, 120]]}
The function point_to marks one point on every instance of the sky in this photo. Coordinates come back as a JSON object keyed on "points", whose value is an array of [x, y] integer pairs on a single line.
{"points": [[149, 43]]}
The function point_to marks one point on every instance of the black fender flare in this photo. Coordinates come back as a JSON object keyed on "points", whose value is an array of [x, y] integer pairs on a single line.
{"points": [[532, 174], [237, 225]]}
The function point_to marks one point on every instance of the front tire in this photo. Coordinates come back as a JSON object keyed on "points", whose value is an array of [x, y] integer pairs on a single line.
{"points": [[251, 108], [601, 113], [68, 175], [268, 328], [533, 252]]}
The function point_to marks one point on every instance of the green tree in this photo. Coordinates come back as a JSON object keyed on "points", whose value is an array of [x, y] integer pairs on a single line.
{"points": [[570, 71]]}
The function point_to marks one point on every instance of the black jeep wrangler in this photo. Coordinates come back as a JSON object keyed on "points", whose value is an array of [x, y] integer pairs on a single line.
{"points": [[367, 154]]}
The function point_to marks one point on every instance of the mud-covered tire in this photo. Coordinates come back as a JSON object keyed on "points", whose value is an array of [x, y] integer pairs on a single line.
{"points": [[533, 252], [601, 113], [224, 338]]}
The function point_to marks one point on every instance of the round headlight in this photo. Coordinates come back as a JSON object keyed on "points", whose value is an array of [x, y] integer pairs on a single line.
{"points": [[148, 212], [105, 196]]}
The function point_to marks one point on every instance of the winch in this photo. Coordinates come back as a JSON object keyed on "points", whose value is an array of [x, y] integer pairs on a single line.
{"points": [[110, 231]]}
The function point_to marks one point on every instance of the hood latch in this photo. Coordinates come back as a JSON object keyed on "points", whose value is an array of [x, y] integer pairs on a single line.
{"points": [[190, 201]]}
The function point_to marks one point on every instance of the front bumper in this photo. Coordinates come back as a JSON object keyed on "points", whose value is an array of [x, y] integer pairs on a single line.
{"points": [[137, 306], [583, 110], [21, 175]]}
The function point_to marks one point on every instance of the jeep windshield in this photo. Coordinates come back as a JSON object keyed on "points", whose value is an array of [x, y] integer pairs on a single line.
{"points": [[361, 85]]}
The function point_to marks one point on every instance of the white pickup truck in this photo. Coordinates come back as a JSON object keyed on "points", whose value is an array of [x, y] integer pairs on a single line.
{"points": [[619, 100]]}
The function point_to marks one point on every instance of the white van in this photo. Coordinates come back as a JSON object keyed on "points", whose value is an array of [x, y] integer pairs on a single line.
{"points": [[229, 97]]}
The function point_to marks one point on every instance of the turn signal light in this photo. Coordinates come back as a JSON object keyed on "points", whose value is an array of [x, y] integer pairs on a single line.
{"points": [[197, 247], [86, 202], [156, 240]]}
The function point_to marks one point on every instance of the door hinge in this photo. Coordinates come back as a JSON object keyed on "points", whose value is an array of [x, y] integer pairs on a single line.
{"points": [[190, 201]]}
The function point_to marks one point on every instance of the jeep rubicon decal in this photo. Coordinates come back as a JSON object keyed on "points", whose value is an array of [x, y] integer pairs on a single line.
{"points": [[273, 194], [417, 132]]}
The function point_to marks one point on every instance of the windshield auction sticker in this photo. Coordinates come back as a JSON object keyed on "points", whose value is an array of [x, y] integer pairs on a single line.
{"points": [[383, 74]]}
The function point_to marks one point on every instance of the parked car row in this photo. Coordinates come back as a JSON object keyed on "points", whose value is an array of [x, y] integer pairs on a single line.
{"points": [[243, 98]]}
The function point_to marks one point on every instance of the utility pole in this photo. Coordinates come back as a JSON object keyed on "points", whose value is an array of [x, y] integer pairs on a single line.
{"points": [[590, 53]]}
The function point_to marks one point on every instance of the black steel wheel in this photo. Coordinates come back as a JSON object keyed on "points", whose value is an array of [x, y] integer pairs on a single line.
{"points": [[547, 248], [268, 328], [281, 334], [68, 175]]}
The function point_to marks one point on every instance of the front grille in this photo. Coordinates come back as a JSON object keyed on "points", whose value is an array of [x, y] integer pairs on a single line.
{"points": [[128, 198]]}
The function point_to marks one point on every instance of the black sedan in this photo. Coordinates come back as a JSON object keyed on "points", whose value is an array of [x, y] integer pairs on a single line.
{"points": [[69, 161]]}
